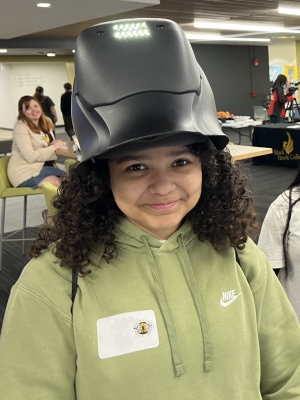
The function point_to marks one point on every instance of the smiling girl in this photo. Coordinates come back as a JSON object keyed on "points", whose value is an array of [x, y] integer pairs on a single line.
{"points": [[32, 160], [147, 284]]}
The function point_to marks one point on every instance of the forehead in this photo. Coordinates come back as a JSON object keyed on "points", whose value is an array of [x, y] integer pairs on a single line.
{"points": [[30, 103], [158, 152]]}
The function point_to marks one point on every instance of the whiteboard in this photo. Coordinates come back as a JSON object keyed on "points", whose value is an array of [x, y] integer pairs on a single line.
{"points": [[22, 79]]}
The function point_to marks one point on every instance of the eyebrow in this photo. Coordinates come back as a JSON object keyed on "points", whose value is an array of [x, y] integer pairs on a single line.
{"points": [[133, 157]]}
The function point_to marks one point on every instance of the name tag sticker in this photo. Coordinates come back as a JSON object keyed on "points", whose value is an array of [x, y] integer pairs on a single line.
{"points": [[126, 333]]}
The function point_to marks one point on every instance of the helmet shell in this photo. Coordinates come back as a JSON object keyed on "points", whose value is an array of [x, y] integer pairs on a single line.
{"points": [[139, 91]]}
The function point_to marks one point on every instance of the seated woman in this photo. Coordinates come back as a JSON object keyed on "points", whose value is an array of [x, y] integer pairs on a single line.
{"points": [[33, 150]]}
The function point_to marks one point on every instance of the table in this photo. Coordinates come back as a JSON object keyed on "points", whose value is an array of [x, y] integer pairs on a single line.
{"points": [[67, 150], [238, 126], [238, 152], [284, 140]]}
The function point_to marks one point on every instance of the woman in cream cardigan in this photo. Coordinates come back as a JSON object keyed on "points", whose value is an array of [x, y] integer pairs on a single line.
{"points": [[33, 151]]}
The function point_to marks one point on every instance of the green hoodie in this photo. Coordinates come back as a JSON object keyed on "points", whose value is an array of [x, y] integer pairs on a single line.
{"points": [[172, 320]]}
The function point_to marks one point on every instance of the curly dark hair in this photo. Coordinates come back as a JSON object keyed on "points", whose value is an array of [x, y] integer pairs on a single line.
{"points": [[87, 212]]}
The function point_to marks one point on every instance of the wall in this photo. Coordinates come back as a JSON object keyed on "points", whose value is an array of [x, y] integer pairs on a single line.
{"points": [[298, 60], [283, 60], [21, 78], [8, 109], [233, 76], [282, 54]]}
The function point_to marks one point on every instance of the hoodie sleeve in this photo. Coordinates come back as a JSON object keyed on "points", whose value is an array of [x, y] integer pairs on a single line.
{"points": [[278, 329], [37, 350]]}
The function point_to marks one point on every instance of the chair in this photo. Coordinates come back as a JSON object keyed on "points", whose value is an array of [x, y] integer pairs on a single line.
{"points": [[6, 191], [260, 113], [68, 163], [49, 192]]}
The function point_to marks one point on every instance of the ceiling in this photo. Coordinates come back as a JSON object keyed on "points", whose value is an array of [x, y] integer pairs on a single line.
{"points": [[26, 29]]}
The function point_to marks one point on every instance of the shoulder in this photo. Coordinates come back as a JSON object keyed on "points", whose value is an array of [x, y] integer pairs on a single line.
{"points": [[281, 204], [21, 126], [45, 279], [49, 101], [282, 201], [253, 263]]}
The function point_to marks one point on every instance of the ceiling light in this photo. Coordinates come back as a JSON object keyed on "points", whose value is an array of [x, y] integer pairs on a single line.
{"points": [[283, 37], [3, 50], [43, 5], [243, 26], [284, 9], [196, 36], [51, 54], [73, 51]]}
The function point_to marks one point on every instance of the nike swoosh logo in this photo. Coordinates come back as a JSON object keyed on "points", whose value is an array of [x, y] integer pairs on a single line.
{"points": [[223, 304]]}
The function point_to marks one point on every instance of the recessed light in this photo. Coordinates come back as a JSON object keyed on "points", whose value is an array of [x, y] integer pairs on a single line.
{"points": [[43, 5], [73, 51], [51, 54], [3, 50]]}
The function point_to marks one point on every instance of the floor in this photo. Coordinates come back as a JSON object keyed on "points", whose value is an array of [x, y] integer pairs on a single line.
{"points": [[267, 182]]}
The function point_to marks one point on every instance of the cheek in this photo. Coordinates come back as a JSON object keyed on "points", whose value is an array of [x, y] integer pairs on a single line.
{"points": [[125, 193], [193, 183]]}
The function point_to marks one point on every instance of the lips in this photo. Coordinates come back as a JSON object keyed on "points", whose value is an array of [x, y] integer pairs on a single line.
{"points": [[163, 206]]}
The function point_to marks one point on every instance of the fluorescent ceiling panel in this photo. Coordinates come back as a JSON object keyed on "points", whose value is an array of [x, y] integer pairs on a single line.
{"points": [[196, 36], [284, 9], [243, 26]]}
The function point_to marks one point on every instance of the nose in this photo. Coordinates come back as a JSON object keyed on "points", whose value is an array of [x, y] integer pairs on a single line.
{"points": [[161, 184]]}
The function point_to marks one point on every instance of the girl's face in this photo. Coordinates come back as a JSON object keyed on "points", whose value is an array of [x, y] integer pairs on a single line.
{"points": [[33, 112], [156, 188]]}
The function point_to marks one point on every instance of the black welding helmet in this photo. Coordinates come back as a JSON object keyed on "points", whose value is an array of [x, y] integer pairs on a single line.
{"points": [[137, 86]]}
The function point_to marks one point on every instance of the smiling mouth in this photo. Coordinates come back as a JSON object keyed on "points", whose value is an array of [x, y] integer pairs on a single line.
{"points": [[163, 206]]}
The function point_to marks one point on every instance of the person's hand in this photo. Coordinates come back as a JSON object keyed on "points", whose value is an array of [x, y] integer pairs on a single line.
{"points": [[57, 144]]}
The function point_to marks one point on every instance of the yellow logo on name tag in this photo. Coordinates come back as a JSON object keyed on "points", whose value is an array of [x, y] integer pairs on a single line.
{"points": [[143, 327]]}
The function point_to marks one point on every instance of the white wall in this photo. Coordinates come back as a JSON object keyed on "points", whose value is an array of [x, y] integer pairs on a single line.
{"points": [[8, 109], [282, 54], [20, 79]]}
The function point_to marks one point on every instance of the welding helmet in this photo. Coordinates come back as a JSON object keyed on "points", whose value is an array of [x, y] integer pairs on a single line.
{"points": [[138, 85]]}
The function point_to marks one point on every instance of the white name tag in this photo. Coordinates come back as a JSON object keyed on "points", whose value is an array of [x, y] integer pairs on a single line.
{"points": [[126, 333]]}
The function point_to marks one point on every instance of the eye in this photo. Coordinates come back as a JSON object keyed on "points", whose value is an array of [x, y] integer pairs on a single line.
{"points": [[136, 167], [180, 163]]}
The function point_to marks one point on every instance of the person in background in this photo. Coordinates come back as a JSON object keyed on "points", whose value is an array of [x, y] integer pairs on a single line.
{"points": [[47, 105], [147, 285], [32, 160], [278, 100], [280, 240], [65, 107]]}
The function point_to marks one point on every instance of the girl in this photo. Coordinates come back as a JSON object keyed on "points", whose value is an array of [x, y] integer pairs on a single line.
{"points": [[33, 155]]}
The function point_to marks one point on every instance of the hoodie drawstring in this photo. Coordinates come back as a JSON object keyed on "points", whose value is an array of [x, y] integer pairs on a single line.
{"points": [[177, 362], [208, 365]]}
